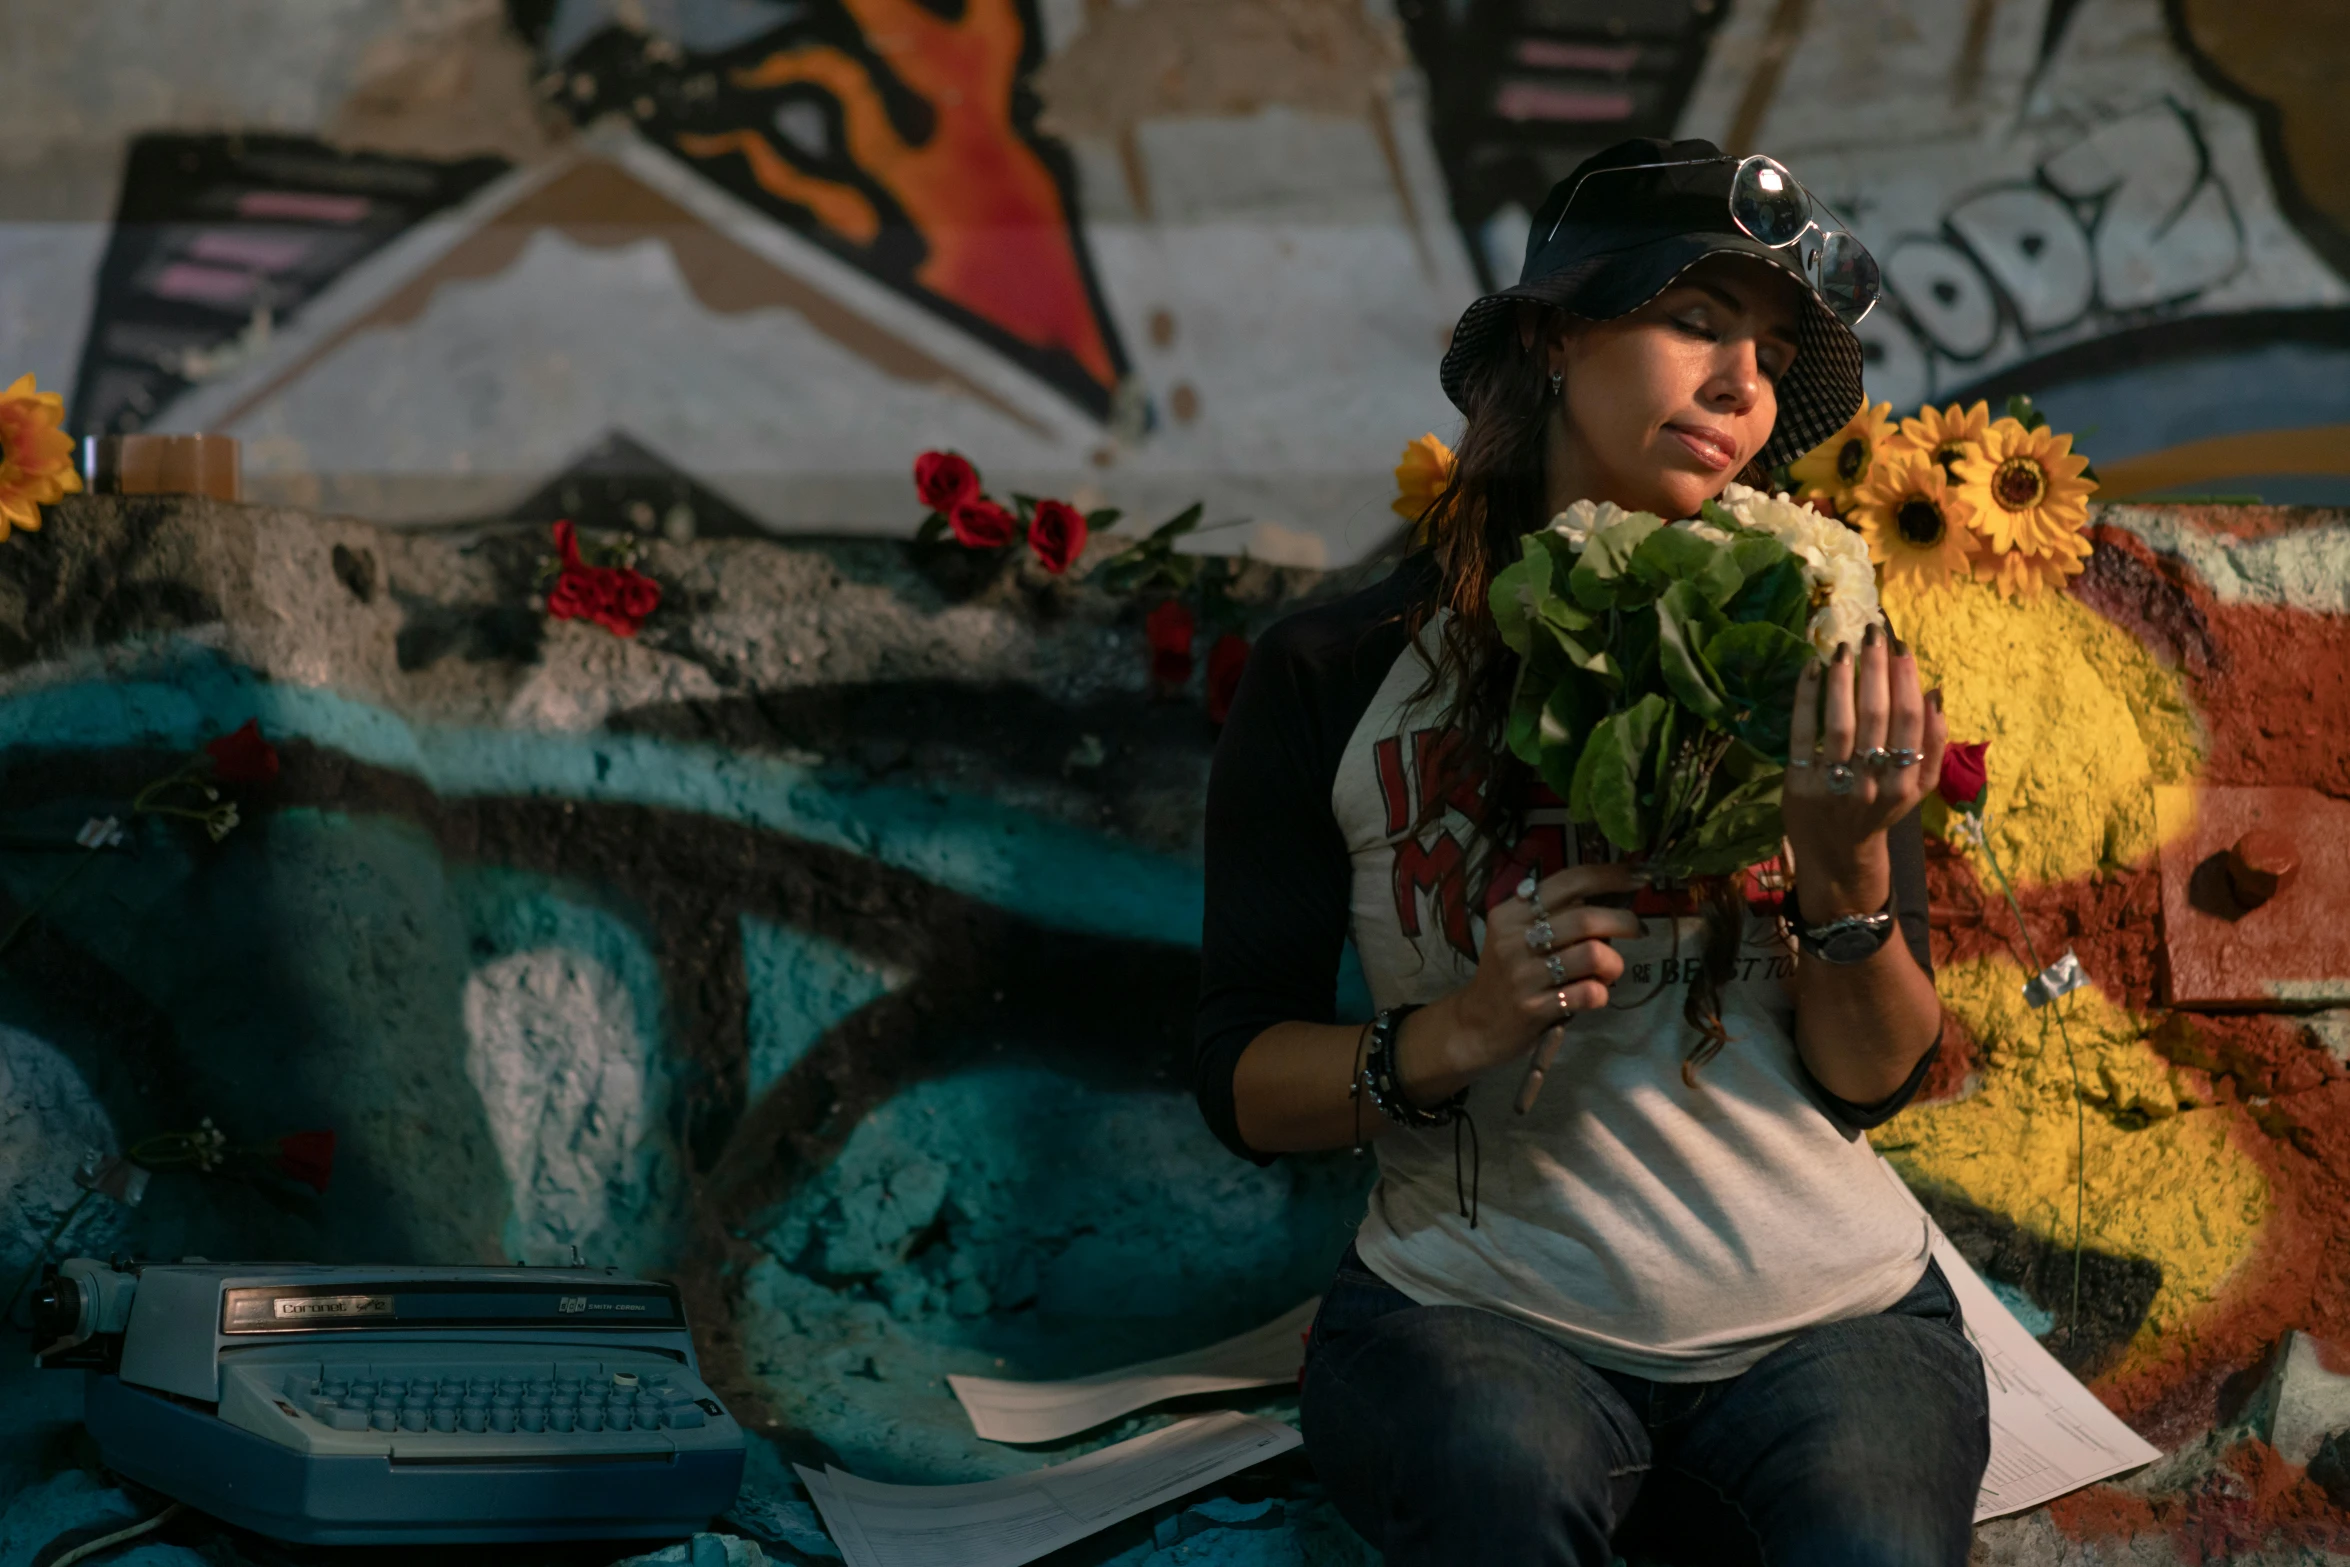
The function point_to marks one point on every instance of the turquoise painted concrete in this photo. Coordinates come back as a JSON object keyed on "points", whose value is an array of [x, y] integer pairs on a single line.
{"points": [[1059, 876], [800, 986]]}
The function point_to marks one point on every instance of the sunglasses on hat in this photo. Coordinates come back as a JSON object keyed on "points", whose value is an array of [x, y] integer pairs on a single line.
{"points": [[1775, 211]]}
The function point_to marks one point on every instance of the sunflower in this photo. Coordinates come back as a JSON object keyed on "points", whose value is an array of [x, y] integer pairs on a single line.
{"points": [[2030, 504], [1831, 470], [1421, 474], [36, 457], [1917, 523], [1947, 434]]}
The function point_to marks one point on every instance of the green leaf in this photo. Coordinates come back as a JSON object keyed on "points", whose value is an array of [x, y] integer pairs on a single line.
{"points": [[1671, 555], [1563, 730], [1102, 519], [2024, 411], [934, 528], [1602, 578], [1735, 831], [1757, 552], [1777, 595], [1516, 591], [1759, 664], [1686, 672], [1181, 523], [1617, 757]]}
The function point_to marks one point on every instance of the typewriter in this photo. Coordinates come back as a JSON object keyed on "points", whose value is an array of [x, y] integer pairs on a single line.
{"points": [[348, 1405]]}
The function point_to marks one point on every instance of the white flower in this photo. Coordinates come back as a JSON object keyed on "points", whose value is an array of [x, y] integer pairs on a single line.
{"points": [[1581, 520], [1704, 530], [1835, 562]]}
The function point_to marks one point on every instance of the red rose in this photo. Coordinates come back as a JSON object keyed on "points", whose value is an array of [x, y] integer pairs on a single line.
{"points": [[1057, 534], [308, 1157], [567, 544], [1225, 662], [1963, 773], [945, 481], [982, 525], [242, 756], [1169, 628]]}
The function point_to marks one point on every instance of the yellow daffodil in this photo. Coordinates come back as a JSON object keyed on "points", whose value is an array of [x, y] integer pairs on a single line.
{"points": [[1947, 434], [36, 457], [1421, 474], [2030, 504], [1831, 470], [1916, 521]]}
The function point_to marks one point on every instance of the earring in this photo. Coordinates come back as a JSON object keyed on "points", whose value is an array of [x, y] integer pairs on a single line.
{"points": [[1557, 377]]}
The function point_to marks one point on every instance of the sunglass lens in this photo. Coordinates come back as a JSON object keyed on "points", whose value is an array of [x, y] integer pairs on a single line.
{"points": [[1767, 202], [1848, 276]]}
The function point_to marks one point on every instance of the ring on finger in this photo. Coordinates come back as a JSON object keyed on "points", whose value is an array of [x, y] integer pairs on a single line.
{"points": [[1903, 756], [1799, 761], [1563, 1006], [1876, 759], [1539, 936], [1841, 777], [1558, 969]]}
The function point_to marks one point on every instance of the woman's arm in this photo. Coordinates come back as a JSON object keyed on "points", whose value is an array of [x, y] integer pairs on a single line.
{"points": [[1861, 1027], [1290, 1089]]}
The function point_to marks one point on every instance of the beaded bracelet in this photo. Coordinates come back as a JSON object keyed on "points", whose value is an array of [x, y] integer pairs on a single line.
{"points": [[1380, 1084]]}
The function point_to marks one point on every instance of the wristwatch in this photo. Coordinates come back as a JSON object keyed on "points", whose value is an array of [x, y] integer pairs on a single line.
{"points": [[1849, 938]]}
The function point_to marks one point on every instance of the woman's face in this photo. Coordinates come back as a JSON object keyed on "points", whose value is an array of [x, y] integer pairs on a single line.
{"points": [[1662, 408]]}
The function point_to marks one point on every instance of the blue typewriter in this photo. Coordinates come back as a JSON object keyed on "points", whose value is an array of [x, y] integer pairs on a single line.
{"points": [[346, 1405]]}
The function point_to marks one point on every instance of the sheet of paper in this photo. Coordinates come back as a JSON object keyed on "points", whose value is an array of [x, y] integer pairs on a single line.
{"points": [[1002, 1523], [1005, 1411], [2049, 1434]]}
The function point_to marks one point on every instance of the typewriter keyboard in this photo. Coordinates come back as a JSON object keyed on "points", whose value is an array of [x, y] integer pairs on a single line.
{"points": [[633, 1394]]}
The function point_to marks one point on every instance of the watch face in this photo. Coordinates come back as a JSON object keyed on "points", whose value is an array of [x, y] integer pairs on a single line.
{"points": [[1852, 943]]}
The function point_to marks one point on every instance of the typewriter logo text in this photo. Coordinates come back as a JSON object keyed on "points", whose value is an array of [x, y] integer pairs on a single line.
{"points": [[304, 1306], [571, 1304]]}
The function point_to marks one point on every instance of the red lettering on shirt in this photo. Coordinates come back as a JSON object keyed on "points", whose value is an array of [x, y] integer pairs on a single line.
{"points": [[1433, 868], [1387, 757]]}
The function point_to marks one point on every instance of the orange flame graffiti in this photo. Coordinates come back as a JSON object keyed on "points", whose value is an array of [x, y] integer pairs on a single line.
{"points": [[988, 209]]}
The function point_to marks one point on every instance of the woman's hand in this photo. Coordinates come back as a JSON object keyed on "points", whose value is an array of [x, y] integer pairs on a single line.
{"points": [[1506, 1006], [1871, 704]]}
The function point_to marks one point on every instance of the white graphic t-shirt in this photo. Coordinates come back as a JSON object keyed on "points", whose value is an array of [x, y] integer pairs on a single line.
{"points": [[1677, 1233]]}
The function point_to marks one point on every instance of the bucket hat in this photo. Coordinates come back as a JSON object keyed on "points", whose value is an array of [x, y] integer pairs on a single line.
{"points": [[1626, 237]]}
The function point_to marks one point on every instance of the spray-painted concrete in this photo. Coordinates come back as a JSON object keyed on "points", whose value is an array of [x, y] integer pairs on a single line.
{"points": [[831, 946]]}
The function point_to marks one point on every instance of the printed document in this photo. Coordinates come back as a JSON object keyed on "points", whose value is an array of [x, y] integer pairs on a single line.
{"points": [[2049, 1434], [1005, 1411], [1002, 1523]]}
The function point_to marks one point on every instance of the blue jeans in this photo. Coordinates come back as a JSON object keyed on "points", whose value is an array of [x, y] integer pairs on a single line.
{"points": [[1447, 1434]]}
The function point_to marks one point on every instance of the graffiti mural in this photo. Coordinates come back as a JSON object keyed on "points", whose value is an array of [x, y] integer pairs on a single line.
{"points": [[219, 241], [899, 135]]}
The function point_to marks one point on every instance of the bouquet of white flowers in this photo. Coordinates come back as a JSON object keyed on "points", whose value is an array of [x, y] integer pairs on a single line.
{"points": [[1658, 661], [1656, 677]]}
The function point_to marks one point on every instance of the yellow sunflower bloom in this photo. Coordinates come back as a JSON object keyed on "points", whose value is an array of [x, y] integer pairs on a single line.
{"points": [[1831, 470], [1917, 523], [1420, 476], [2029, 501], [1947, 434], [36, 457]]}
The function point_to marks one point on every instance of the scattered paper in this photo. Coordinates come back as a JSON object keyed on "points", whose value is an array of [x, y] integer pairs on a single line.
{"points": [[1002, 1523], [1004, 1411], [2049, 1434]]}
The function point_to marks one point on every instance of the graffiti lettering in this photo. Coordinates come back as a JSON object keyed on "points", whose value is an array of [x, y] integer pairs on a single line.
{"points": [[2128, 219]]}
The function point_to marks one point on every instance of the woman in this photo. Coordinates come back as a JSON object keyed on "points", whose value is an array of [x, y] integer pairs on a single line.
{"points": [[1691, 1316]]}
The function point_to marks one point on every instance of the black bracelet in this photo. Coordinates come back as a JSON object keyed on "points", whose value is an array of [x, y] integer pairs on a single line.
{"points": [[1380, 1084]]}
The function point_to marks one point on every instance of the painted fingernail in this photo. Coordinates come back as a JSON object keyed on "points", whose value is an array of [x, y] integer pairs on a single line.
{"points": [[1868, 638], [1934, 699], [1843, 652], [1900, 648]]}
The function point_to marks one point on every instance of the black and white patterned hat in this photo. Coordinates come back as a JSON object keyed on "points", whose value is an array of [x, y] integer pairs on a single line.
{"points": [[1629, 237]]}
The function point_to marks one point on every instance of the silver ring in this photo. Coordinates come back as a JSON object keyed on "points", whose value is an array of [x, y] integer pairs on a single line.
{"points": [[1799, 761], [1563, 1007], [1903, 756], [1876, 759], [1841, 777], [1528, 886], [1558, 970], [1539, 936]]}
